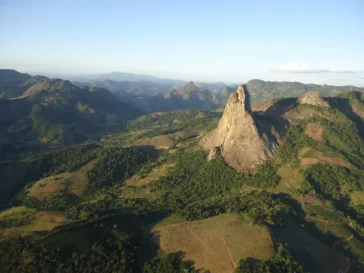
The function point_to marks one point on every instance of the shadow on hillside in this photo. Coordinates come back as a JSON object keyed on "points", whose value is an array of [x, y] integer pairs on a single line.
{"points": [[307, 244], [280, 107], [148, 149], [343, 105], [271, 122]]}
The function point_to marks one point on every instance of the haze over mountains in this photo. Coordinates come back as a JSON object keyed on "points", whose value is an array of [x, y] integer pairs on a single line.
{"points": [[149, 92]]}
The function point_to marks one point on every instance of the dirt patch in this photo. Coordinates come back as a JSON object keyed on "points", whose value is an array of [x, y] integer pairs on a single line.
{"points": [[216, 244], [200, 115], [93, 201], [68, 182], [315, 131], [310, 157]]}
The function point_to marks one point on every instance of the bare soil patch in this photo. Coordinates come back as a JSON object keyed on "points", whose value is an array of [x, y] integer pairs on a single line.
{"points": [[315, 131]]}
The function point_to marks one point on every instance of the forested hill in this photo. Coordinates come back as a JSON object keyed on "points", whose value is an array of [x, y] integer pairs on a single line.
{"points": [[36, 112]]}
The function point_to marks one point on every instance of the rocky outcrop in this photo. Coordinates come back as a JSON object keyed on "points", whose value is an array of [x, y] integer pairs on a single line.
{"points": [[313, 98], [237, 137]]}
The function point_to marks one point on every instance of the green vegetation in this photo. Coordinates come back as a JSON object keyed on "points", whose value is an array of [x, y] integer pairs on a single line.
{"points": [[9, 222], [195, 189], [295, 139], [344, 137], [186, 124], [260, 206], [114, 166], [194, 178], [64, 160], [170, 263], [328, 180], [281, 262], [24, 255]]}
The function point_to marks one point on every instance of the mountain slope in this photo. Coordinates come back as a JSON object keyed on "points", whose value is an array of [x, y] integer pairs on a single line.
{"points": [[54, 111]]}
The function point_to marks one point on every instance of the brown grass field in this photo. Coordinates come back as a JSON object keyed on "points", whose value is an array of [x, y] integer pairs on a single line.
{"points": [[216, 244], [68, 182]]}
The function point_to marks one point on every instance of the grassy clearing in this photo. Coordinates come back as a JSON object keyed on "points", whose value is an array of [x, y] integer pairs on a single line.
{"points": [[65, 183], [309, 156], [291, 178], [215, 244], [158, 172], [15, 211], [41, 221], [159, 142]]}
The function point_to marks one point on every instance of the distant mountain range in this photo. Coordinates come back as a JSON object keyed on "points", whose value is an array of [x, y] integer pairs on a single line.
{"points": [[41, 112]]}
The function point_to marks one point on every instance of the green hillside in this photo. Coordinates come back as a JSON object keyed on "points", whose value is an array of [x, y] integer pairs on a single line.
{"points": [[146, 199], [53, 112]]}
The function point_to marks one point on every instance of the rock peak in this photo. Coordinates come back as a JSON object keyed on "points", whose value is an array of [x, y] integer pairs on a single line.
{"points": [[242, 96], [313, 98], [237, 136]]}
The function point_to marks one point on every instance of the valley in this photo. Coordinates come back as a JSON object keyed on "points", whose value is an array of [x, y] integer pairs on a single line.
{"points": [[208, 182]]}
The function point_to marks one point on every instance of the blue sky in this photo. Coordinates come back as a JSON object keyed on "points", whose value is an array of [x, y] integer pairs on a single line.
{"points": [[231, 41]]}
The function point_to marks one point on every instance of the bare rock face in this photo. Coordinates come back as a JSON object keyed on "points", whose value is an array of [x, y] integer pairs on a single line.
{"points": [[313, 98], [237, 137]]}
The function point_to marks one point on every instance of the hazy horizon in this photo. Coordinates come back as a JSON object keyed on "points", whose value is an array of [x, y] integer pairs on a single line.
{"points": [[310, 42]]}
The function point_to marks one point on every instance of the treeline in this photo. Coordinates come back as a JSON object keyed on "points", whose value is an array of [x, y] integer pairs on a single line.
{"points": [[281, 262], [9, 222], [64, 160], [25, 255], [261, 206], [328, 181], [295, 139], [344, 138], [52, 202], [170, 263]]}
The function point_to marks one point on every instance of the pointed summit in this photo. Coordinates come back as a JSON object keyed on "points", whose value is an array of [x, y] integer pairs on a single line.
{"points": [[243, 96], [313, 98], [237, 137], [189, 87]]}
